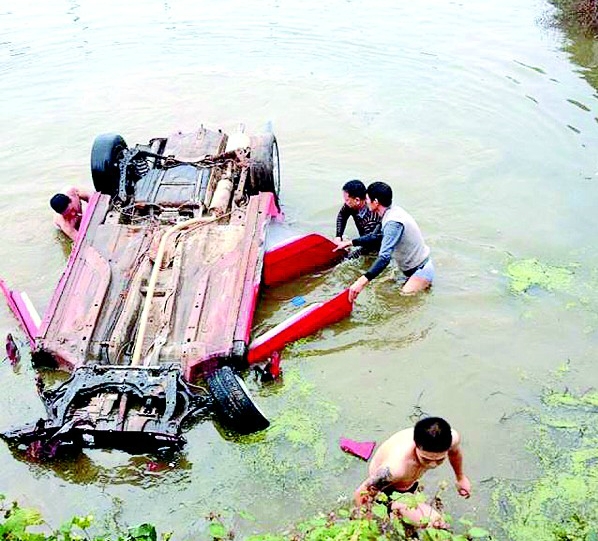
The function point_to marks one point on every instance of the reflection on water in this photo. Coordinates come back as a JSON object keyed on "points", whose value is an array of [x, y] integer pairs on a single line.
{"points": [[114, 468], [584, 52], [471, 112], [380, 319]]}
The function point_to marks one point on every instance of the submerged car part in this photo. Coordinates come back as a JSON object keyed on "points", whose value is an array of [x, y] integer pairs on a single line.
{"points": [[159, 294], [135, 409]]}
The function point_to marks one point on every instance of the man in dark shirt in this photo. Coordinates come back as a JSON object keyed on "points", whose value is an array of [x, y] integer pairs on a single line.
{"points": [[366, 221], [401, 240]]}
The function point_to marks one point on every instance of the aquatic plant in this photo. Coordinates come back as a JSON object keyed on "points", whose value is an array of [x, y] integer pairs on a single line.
{"points": [[579, 14], [296, 443], [562, 503], [26, 524], [527, 273], [371, 523]]}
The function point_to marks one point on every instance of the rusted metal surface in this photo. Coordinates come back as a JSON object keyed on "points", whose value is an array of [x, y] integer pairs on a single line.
{"points": [[195, 312], [199, 312], [160, 290], [96, 211], [122, 407]]}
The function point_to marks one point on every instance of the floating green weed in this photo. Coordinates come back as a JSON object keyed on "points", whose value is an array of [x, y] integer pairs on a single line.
{"points": [[527, 273], [554, 398], [562, 503], [296, 443], [297, 348]]}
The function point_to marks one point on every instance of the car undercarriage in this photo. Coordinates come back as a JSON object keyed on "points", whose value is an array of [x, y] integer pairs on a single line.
{"points": [[152, 315]]}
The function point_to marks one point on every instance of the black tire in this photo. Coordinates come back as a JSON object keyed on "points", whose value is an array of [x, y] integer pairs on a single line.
{"points": [[234, 406], [265, 166], [106, 153]]}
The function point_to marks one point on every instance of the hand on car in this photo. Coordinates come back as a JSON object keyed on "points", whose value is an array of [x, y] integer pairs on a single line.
{"points": [[357, 287], [342, 245]]}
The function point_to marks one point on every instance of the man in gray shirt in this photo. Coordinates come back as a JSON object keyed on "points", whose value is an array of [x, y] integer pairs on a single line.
{"points": [[400, 238]]}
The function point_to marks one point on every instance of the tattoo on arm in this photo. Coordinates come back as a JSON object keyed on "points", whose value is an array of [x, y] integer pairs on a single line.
{"points": [[381, 479]]}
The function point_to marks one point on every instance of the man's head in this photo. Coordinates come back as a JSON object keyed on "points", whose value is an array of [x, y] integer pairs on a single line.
{"points": [[354, 193], [378, 194], [60, 203], [433, 439]]}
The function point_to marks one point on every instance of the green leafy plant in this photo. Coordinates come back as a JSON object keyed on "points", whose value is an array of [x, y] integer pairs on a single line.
{"points": [[370, 523], [26, 524], [578, 14]]}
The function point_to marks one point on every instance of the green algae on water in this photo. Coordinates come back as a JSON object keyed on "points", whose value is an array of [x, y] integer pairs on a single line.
{"points": [[296, 443], [553, 398], [562, 503], [527, 273]]}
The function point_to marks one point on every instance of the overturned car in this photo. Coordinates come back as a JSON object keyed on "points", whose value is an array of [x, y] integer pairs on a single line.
{"points": [[152, 315]]}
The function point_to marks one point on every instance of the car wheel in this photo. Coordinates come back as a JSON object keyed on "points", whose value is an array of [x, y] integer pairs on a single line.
{"points": [[106, 152], [265, 166], [234, 406]]}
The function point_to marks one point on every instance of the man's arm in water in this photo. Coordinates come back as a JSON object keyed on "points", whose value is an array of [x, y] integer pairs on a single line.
{"points": [[84, 194], [455, 456], [66, 227]]}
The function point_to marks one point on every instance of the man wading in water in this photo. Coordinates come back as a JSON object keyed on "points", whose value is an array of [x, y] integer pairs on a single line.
{"points": [[366, 221], [69, 208], [401, 238], [402, 459]]}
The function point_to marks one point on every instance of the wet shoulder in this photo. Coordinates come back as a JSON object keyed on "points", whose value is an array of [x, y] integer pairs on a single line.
{"points": [[399, 443], [456, 438]]}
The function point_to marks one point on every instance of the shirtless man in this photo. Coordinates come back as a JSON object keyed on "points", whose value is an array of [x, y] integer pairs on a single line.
{"points": [[69, 208], [402, 459]]}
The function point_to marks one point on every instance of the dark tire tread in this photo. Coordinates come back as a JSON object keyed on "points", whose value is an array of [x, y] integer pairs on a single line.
{"points": [[234, 406], [105, 153], [265, 167]]}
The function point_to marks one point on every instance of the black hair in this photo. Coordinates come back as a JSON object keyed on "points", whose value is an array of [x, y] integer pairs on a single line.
{"points": [[60, 202], [355, 188], [433, 434], [380, 191]]}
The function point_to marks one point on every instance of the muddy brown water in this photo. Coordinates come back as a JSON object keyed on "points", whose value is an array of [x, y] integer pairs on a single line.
{"points": [[476, 115]]}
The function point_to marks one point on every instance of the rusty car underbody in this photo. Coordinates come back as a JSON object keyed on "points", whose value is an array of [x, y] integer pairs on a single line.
{"points": [[153, 313]]}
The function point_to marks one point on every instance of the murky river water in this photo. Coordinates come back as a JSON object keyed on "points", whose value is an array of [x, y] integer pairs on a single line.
{"points": [[471, 110]]}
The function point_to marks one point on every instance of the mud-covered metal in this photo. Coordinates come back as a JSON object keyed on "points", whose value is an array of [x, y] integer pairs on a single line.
{"points": [[158, 294], [126, 408]]}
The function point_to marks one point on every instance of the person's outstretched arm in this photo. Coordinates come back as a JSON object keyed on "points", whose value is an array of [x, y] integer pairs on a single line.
{"points": [[391, 236], [455, 457], [66, 227], [84, 194], [370, 239]]}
